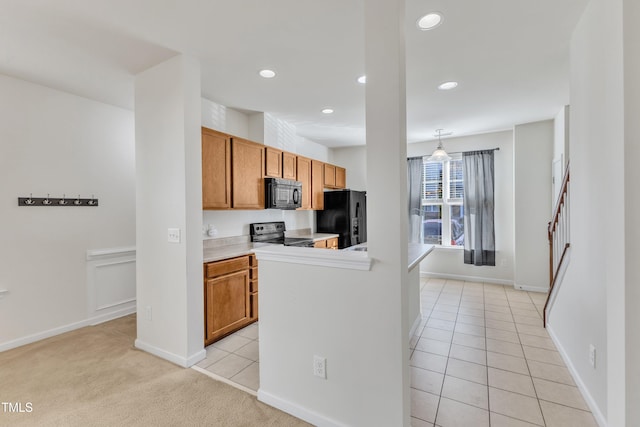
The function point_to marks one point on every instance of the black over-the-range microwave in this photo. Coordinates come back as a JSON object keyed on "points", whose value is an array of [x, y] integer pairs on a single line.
{"points": [[282, 193]]}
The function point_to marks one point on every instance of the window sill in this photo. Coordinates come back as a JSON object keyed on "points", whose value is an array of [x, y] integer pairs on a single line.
{"points": [[451, 248]]}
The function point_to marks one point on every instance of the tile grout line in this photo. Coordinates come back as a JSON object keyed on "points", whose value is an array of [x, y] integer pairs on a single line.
{"points": [[486, 346], [526, 361], [444, 377], [425, 325], [510, 304]]}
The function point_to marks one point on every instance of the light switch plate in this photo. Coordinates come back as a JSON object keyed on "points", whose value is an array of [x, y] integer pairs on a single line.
{"points": [[173, 235]]}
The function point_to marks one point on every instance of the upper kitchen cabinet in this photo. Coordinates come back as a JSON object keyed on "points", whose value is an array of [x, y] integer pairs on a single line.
{"points": [[335, 177], [317, 185], [329, 176], [280, 164], [247, 160], [273, 162], [289, 166], [216, 170], [341, 177], [303, 174]]}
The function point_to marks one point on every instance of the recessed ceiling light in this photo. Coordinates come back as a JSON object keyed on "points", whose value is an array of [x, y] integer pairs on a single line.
{"points": [[328, 111], [447, 85], [362, 79], [267, 74], [430, 21]]}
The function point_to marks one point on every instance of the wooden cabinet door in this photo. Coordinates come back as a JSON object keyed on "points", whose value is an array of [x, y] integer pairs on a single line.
{"points": [[216, 170], [227, 304], [341, 177], [247, 174], [317, 185], [303, 174], [289, 166], [320, 244], [273, 162], [329, 175]]}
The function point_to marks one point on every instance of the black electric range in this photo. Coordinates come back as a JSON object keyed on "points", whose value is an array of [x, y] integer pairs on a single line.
{"points": [[273, 232]]}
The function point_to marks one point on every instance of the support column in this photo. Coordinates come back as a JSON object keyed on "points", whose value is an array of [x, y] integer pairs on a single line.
{"points": [[631, 55], [387, 184], [169, 196]]}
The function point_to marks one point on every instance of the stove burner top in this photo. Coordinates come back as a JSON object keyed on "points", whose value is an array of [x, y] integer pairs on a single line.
{"points": [[273, 232]]}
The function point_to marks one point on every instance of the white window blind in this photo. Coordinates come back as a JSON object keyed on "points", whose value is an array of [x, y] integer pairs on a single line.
{"points": [[442, 200]]}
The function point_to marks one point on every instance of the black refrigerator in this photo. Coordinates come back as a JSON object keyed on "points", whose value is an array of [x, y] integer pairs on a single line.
{"points": [[345, 213]]}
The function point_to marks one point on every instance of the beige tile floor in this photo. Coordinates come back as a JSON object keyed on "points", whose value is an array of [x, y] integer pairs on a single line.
{"points": [[236, 358], [480, 357]]}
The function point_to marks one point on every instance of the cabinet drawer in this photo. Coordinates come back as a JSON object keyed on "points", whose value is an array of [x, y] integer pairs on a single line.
{"points": [[253, 286], [227, 266], [254, 306]]}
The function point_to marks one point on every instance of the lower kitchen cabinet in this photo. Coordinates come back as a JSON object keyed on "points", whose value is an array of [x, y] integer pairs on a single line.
{"points": [[230, 296], [331, 243]]}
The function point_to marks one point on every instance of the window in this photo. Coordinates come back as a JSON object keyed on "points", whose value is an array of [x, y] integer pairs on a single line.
{"points": [[442, 207]]}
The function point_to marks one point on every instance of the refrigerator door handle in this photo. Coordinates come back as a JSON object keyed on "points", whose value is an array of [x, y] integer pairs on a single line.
{"points": [[354, 224]]}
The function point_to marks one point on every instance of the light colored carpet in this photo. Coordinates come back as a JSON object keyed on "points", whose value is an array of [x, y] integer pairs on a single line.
{"points": [[95, 377]]}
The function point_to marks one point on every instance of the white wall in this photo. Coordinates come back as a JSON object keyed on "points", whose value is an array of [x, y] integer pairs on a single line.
{"points": [[235, 222], [57, 143], [560, 152], [338, 314], [224, 119], [169, 195], [446, 262], [308, 148], [594, 280], [354, 159], [532, 160]]}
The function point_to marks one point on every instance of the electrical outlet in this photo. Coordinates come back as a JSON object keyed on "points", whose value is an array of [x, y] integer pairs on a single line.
{"points": [[320, 367], [173, 235], [147, 312], [592, 356]]}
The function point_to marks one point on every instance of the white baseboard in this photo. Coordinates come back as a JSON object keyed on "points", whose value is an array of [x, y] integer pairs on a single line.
{"points": [[66, 328], [560, 277], [467, 278], [185, 362], [197, 357], [531, 288], [591, 403], [297, 411]]}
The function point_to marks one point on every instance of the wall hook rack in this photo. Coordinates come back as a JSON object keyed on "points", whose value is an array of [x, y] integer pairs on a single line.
{"points": [[56, 201]]}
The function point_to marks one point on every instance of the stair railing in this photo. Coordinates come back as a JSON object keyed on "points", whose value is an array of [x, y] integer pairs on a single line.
{"points": [[558, 232]]}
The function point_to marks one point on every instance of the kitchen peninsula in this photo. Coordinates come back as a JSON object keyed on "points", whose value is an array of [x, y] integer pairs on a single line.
{"points": [[315, 307]]}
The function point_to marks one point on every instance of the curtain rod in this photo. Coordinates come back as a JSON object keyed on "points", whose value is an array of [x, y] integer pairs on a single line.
{"points": [[457, 152]]}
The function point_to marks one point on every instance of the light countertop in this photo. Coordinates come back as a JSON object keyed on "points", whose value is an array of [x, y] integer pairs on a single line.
{"points": [[224, 248], [416, 253], [307, 234]]}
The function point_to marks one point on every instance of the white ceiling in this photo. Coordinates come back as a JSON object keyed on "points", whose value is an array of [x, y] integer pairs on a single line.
{"points": [[511, 57]]}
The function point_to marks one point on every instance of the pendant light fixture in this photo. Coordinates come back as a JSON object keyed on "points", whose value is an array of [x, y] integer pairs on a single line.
{"points": [[439, 155]]}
